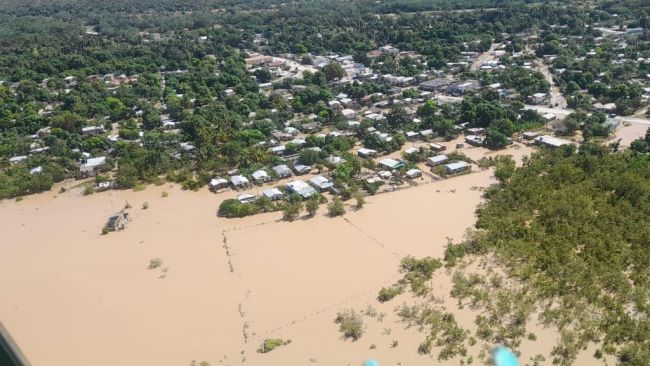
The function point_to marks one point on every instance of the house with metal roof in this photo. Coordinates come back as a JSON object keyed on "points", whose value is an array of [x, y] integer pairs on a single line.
{"points": [[437, 160], [260, 176], [391, 163], [300, 187], [273, 194], [282, 171], [457, 167], [239, 181], [321, 183]]}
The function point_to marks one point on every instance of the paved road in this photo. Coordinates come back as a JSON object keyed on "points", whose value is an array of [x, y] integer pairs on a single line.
{"points": [[485, 56], [557, 99]]}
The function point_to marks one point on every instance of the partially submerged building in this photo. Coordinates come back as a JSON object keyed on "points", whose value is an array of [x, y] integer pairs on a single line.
{"points": [[117, 221], [273, 194], [437, 160], [218, 183], [321, 183], [300, 187], [457, 167]]}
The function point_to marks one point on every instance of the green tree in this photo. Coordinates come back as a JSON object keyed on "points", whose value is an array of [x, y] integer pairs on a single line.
{"points": [[495, 140], [312, 206], [333, 71], [505, 168], [127, 176], [291, 210], [336, 207]]}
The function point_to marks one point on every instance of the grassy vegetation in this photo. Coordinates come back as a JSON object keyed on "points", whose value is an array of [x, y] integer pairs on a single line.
{"points": [[155, 263], [145, 205], [270, 344], [88, 191], [350, 324], [572, 230]]}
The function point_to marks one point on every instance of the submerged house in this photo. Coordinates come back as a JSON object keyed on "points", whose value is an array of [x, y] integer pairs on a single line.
{"points": [[117, 221], [437, 160], [218, 183], [391, 163], [273, 194], [321, 183], [457, 167], [239, 181], [414, 173], [260, 177], [301, 188]]}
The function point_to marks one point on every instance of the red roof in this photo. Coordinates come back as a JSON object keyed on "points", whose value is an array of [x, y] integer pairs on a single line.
{"points": [[374, 53]]}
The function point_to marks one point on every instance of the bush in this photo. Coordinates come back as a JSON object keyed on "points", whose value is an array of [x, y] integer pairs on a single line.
{"points": [[155, 263], [165, 194], [232, 208], [336, 208], [360, 200], [88, 191], [145, 205], [291, 210], [271, 344], [127, 205], [351, 324], [389, 293], [105, 230], [311, 206]]}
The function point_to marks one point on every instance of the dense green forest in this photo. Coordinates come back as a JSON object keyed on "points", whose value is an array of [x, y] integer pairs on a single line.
{"points": [[573, 227]]}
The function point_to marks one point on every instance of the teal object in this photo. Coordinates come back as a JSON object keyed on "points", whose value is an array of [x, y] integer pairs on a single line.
{"points": [[371, 362], [504, 357]]}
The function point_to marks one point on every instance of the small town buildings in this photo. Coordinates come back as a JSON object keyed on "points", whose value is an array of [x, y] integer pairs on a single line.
{"points": [[411, 135], [609, 107], [282, 171], [412, 150], [384, 174], [474, 140], [414, 173], [273, 194], [435, 85], [550, 141], [335, 160], [300, 187], [239, 181], [437, 160], [367, 153], [426, 133], [301, 169], [437, 147], [90, 164], [261, 177], [218, 183], [321, 183], [349, 113], [17, 159], [530, 135], [391, 163], [549, 117], [92, 130], [538, 98], [457, 167], [476, 131], [462, 87], [35, 171], [278, 150], [246, 198]]}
